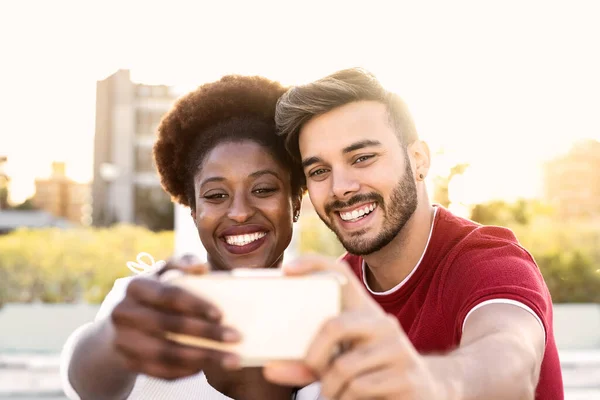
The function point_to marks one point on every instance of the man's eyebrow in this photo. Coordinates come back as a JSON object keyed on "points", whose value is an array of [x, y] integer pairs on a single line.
{"points": [[360, 145], [307, 162]]}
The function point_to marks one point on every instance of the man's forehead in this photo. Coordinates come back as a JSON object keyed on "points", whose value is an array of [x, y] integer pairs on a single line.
{"points": [[350, 115]]}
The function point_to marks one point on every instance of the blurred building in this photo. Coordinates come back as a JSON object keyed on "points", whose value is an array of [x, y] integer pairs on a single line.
{"points": [[126, 187], [572, 181], [62, 197], [31, 219]]}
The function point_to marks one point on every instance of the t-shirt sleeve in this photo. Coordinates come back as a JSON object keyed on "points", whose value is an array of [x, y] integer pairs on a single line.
{"points": [[111, 300], [492, 265]]}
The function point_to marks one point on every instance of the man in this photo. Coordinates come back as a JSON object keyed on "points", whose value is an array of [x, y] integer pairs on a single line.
{"points": [[472, 314]]}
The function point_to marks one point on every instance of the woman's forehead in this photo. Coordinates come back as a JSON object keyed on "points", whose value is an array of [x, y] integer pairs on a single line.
{"points": [[244, 157]]}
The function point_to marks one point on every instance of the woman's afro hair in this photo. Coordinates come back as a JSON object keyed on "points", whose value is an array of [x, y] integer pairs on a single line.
{"points": [[232, 108]]}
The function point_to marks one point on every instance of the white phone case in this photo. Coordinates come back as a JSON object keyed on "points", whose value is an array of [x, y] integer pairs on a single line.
{"points": [[277, 315]]}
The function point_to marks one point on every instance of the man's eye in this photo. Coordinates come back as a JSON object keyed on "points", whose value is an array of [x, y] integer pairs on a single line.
{"points": [[318, 172], [362, 158]]}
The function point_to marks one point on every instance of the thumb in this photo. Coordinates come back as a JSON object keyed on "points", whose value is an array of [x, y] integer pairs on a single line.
{"points": [[354, 295], [288, 373]]}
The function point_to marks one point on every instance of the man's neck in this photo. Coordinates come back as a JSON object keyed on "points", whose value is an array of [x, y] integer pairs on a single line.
{"points": [[389, 266]]}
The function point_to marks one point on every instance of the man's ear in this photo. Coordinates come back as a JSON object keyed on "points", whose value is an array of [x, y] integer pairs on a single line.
{"points": [[419, 152], [193, 214]]}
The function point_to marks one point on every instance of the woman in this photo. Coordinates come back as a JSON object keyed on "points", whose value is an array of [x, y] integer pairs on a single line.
{"points": [[217, 153]]}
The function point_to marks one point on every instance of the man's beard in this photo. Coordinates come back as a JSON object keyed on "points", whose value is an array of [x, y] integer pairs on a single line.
{"points": [[402, 205]]}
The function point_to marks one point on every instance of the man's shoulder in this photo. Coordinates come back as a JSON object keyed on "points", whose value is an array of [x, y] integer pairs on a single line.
{"points": [[490, 256], [465, 234]]}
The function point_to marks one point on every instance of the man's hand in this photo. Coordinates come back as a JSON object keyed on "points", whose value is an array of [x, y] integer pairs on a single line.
{"points": [[379, 360], [380, 363], [150, 309]]}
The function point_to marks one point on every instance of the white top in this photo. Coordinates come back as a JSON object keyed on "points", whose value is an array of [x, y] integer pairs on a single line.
{"points": [[146, 387]]}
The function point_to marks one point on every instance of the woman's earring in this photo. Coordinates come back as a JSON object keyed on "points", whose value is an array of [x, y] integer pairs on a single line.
{"points": [[296, 216]]}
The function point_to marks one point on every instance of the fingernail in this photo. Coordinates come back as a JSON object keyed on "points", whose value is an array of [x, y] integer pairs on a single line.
{"points": [[187, 259], [213, 314], [292, 265], [231, 335], [231, 362]]}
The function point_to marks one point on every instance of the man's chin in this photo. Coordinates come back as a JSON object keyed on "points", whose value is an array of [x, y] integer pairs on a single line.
{"points": [[359, 246]]}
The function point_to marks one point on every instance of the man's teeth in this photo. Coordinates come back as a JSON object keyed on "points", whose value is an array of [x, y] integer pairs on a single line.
{"points": [[242, 240], [356, 214]]}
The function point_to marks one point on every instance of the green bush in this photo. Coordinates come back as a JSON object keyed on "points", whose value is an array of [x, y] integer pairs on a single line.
{"points": [[53, 265], [315, 237], [568, 254]]}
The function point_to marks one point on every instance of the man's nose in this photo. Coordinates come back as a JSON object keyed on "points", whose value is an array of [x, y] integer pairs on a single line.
{"points": [[344, 184]]}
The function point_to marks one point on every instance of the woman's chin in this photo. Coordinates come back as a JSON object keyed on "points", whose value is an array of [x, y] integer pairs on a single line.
{"points": [[231, 263]]}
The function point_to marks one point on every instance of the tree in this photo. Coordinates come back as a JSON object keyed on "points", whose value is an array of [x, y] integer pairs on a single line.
{"points": [[154, 209], [4, 180], [27, 205], [442, 183], [499, 212]]}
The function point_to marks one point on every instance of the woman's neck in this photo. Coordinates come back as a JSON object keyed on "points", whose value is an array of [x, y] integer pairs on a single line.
{"points": [[245, 384]]}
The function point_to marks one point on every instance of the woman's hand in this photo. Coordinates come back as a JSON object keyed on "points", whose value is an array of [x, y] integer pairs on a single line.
{"points": [[151, 308]]}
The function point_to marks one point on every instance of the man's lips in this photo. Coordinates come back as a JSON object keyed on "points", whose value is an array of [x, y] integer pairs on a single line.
{"points": [[353, 213]]}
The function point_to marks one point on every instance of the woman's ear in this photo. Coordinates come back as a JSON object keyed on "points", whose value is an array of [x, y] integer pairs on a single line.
{"points": [[193, 214], [296, 206]]}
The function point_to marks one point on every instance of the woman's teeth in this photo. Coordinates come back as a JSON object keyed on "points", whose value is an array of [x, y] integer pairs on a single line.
{"points": [[358, 214], [242, 240]]}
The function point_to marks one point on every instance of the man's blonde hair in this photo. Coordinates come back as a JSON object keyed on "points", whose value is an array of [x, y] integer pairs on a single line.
{"points": [[301, 103]]}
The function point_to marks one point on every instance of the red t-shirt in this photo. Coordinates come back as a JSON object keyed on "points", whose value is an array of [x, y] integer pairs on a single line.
{"points": [[464, 265]]}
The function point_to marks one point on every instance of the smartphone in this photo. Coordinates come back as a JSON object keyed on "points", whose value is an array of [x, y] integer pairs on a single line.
{"points": [[277, 315]]}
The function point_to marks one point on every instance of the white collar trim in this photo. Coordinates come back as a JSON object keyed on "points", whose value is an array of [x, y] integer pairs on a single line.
{"points": [[398, 286]]}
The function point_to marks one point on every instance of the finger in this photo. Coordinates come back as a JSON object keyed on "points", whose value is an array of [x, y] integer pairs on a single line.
{"points": [[144, 349], [360, 361], [384, 383], [188, 263], [288, 373], [348, 328], [156, 322], [170, 298], [354, 295]]}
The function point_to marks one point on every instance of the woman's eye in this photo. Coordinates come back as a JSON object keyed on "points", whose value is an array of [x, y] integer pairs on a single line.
{"points": [[264, 190], [215, 196]]}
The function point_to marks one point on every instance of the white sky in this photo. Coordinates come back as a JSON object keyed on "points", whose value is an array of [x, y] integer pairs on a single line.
{"points": [[502, 85]]}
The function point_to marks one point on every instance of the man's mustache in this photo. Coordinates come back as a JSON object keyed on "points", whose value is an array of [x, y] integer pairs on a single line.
{"points": [[359, 198]]}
